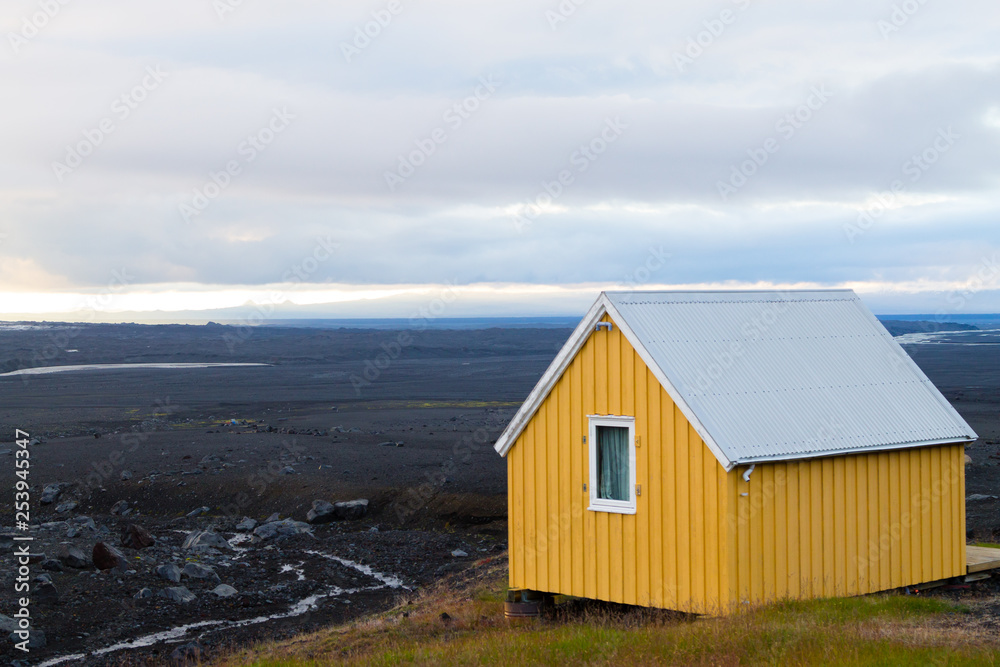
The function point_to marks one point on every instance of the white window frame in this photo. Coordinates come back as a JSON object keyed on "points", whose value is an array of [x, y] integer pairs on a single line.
{"points": [[604, 504]]}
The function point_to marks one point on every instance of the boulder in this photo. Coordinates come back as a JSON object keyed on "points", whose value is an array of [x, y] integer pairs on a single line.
{"points": [[83, 522], [137, 537], [51, 493], [177, 594], [321, 512], [46, 592], [67, 506], [106, 557], [73, 557], [120, 507], [198, 571], [285, 528], [52, 565], [126, 475], [143, 594], [246, 525], [170, 572], [7, 624], [350, 510], [458, 553], [189, 653], [203, 539], [274, 517], [36, 640], [224, 591], [198, 512]]}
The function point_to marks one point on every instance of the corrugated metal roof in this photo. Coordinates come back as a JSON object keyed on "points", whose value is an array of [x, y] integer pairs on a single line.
{"points": [[773, 375]]}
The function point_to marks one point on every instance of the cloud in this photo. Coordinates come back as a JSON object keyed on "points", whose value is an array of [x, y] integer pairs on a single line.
{"points": [[734, 163]]}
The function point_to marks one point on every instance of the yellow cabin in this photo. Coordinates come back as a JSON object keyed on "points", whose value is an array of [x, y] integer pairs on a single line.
{"points": [[701, 450]]}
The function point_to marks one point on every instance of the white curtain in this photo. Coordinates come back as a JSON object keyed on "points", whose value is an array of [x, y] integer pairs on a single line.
{"points": [[612, 462]]}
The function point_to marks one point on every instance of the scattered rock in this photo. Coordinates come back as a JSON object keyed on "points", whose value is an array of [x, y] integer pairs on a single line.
{"points": [[52, 565], [170, 572], [225, 591], [51, 493], [968, 460], [272, 518], [43, 578], [458, 553], [192, 652], [67, 506], [198, 512], [980, 496], [288, 470], [198, 571], [205, 539], [46, 592], [36, 640], [7, 624], [177, 594], [246, 525], [137, 537], [143, 594], [285, 528], [83, 522], [351, 510], [126, 475], [106, 557], [73, 557], [120, 507], [321, 512]]}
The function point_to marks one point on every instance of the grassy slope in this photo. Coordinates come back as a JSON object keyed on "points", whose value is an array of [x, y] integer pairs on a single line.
{"points": [[873, 630]]}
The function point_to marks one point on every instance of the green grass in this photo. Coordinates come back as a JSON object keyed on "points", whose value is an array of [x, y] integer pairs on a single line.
{"points": [[871, 630]]}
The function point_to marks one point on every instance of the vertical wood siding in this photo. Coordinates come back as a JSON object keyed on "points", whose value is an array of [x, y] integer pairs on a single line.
{"points": [[704, 540], [673, 552], [849, 525]]}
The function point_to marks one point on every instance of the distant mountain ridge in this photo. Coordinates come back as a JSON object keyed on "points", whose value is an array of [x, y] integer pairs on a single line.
{"points": [[901, 327]]}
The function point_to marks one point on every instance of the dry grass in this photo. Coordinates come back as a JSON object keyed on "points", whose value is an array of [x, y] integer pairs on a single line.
{"points": [[872, 630]]}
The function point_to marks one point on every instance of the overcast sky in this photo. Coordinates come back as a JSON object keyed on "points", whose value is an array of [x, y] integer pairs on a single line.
{"points": [[515, 156]]}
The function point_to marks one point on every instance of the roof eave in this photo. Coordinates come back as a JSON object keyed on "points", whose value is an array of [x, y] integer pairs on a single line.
{"points": [[841, 452], [551, 375]]}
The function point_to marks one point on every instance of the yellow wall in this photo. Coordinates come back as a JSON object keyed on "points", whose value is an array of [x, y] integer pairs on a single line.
{"points": [[671, 552], [833, 526], [848, 525]]}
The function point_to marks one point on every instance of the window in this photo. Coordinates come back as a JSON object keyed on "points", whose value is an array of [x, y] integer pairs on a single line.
{"points": [[612, 464]]}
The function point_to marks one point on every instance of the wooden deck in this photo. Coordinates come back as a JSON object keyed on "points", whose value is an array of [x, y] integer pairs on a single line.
{"points": [[981, 558]]}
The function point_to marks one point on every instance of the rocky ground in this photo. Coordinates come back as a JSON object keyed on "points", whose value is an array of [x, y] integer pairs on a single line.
{"points": [[151, 448], [213, 582]]}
